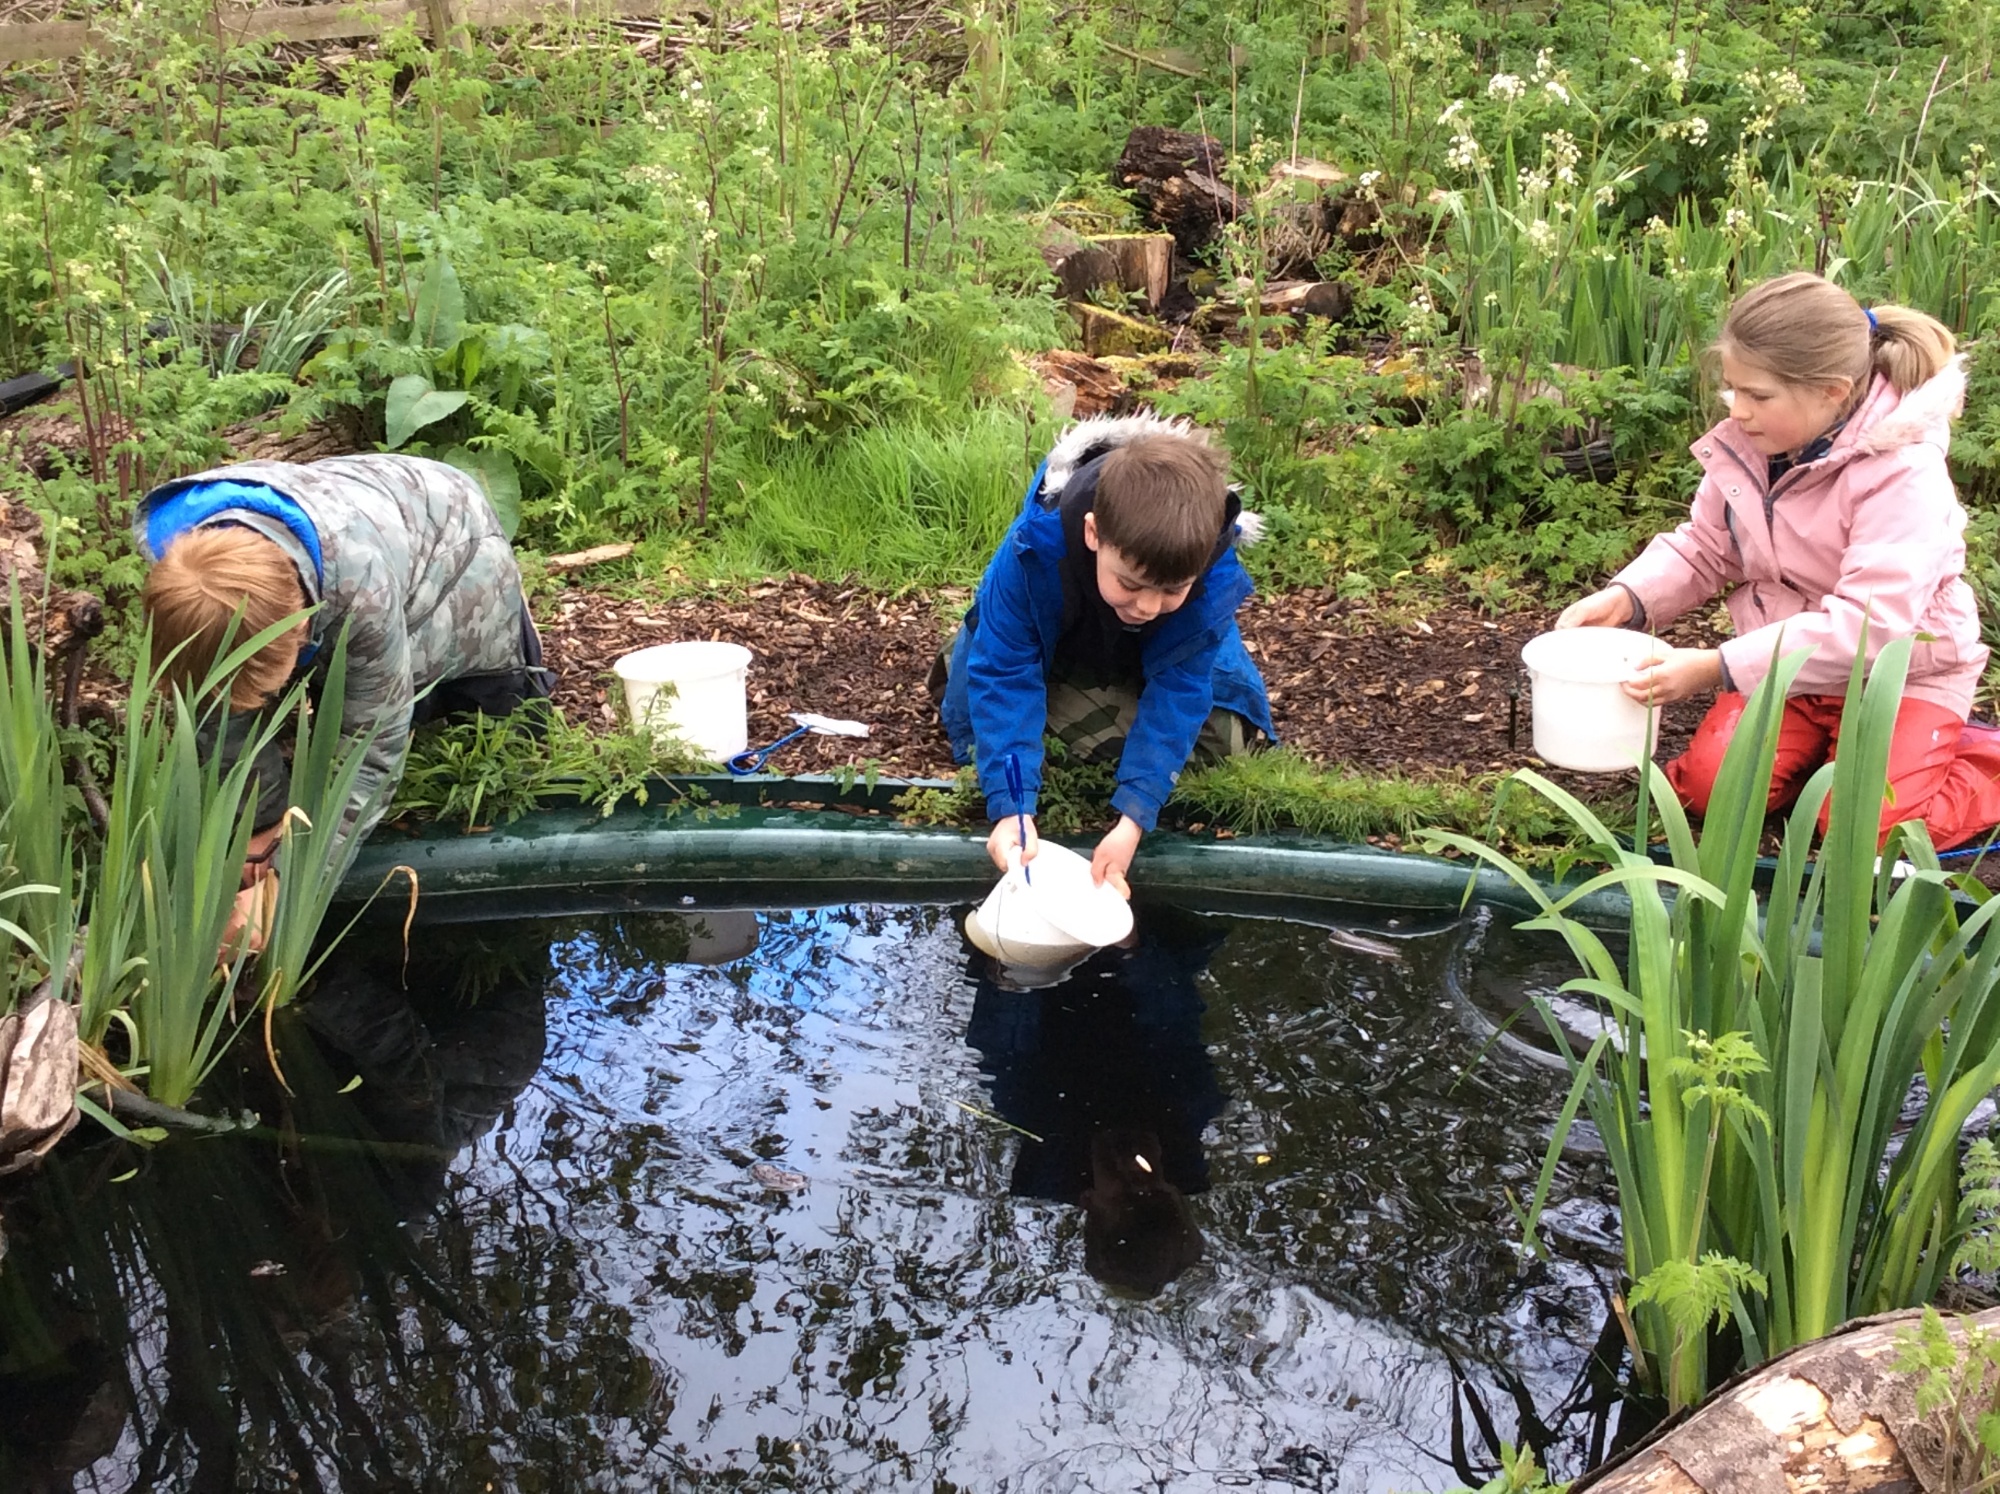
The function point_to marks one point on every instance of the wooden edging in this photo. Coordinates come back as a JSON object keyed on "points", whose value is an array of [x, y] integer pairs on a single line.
{"points": [[46, 41]]}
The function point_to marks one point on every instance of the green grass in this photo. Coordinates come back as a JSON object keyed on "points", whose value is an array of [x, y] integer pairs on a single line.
{"points": [[895, 505]]}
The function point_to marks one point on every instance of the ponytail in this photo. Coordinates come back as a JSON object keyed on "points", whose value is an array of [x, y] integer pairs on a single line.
{"points": [[1806, 330], [1907, 347]]}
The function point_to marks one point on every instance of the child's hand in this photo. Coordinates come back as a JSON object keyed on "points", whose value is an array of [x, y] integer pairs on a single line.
{"points": [[1114, 854], [1676, 674], [1609, 608], [1014, 830], [249, 921]]}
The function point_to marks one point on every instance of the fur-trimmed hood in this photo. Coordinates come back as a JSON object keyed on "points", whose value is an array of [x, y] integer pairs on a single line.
{"points": [[1887, 420], [1092, 438]]}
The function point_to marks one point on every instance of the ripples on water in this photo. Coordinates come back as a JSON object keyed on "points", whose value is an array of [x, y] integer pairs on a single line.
{"points": [[1294, 1144]]}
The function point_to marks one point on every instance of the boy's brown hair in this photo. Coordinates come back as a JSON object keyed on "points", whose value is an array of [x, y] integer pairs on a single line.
{"points": [[209, 578], [1160, 503]]}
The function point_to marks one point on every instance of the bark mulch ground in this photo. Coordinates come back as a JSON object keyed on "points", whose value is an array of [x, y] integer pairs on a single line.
{"points": [[1388, 689]]}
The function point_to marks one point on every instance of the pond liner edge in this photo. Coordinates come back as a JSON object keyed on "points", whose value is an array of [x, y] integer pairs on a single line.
{"points": [[733, 852]]}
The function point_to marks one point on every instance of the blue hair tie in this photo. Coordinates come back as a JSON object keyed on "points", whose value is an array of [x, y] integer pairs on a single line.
{"points": [[1873, 325]]}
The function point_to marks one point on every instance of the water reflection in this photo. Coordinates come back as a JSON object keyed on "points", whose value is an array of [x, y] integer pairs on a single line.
{"points": [[530, 1247], [1107, 1074]]}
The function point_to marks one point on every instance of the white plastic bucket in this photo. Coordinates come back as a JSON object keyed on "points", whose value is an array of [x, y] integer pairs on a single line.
{"points": [[1049, 913], [705, 708], [1583, 719]]}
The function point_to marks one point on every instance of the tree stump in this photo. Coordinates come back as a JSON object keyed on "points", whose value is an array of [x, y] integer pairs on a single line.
{"points": [[1141, 263], [1831, 1417]]}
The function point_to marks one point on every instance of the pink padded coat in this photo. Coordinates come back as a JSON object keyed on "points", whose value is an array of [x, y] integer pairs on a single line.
{"points": [[1871, 530]]}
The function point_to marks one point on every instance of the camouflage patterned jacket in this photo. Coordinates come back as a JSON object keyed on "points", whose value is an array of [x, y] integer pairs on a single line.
{"points": [[412, 560]]}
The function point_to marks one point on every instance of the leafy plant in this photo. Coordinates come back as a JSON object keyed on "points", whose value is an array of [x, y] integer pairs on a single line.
{"points": [[1758, 1172], [490, 770], [1958, 1396]]}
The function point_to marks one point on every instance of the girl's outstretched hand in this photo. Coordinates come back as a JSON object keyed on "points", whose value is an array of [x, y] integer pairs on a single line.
{"points": [[1676, 674], [1609, 608]]}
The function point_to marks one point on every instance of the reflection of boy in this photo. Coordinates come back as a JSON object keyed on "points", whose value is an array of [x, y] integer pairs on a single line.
{"points": [[1108, 1069], [1108, 617]]}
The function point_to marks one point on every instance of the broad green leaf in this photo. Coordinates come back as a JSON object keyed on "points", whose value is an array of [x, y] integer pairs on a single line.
{"points": [[497, 475], [414, 404], [440, 307]]}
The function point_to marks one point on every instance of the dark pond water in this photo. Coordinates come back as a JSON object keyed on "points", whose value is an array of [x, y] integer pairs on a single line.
{"points": [[805, 1199]]}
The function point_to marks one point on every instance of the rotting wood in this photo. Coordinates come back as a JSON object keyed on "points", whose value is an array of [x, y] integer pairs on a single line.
{"points": [[1077, 384], [1113, 332], [1142, 262], [1177, 178], [1831, 1417]]}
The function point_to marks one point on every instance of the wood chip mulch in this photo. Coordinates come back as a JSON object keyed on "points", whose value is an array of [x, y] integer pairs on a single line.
{"points": [[1351, 683]]}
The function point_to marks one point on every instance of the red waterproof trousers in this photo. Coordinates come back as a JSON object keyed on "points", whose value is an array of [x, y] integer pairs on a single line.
{"points": [[1941, 771]]}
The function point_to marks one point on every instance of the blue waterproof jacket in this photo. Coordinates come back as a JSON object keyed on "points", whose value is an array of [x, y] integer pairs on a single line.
{"points": [[996, 700]]}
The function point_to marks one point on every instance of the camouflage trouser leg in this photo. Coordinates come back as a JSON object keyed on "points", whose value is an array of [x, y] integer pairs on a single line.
{"points": [[1093, 722]]}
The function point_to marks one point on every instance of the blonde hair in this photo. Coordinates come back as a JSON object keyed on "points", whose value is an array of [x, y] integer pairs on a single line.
{"points": [[209, 579], [1804, 329]]}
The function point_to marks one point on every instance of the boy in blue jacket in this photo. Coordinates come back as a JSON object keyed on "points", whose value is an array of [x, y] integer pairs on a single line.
{"points": [[1108, 617]]}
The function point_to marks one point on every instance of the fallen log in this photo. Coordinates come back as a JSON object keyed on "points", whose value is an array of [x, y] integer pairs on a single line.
{"points": [[1298, 299], [1831, 1417], [1177, 179], [1110, 332]]}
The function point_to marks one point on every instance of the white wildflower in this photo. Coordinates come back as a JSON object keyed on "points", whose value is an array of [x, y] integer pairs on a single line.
{"points": [[1678, 68], [708, 236], [1604, 197], [1555, 90], [1542, 236], [1736, 223], [1465, 154], [1561, 153], [1533, 181], [1505, 86], [1452, 111], [1545, 66]]}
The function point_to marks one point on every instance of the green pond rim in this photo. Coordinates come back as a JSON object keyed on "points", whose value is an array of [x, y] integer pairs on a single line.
{"points": [[800, 841]]}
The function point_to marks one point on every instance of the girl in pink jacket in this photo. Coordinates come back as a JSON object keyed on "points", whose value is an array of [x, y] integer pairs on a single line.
{"points": [[1825, 502]]}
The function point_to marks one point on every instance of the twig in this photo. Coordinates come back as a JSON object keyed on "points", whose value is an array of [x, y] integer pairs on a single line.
{"points": [[987, 1115], [1922, 119], [1157, 62]]}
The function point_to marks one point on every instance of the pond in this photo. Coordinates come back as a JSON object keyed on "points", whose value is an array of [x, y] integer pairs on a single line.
{"points": [[808, 1198]]}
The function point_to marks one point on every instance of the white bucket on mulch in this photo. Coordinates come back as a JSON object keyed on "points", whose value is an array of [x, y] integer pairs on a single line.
{"points": [[692, 691], [1584, 720]]}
